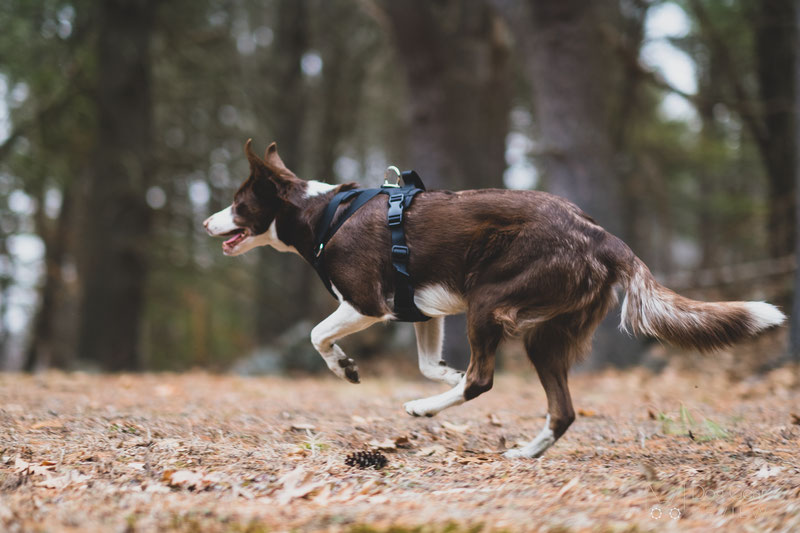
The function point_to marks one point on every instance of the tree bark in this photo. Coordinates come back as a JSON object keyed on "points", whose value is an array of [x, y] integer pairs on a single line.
{"points": [[794, 338], [455, 55], [46, 348], [284, 110], [776, 52], [575, 77], [116, 228]]}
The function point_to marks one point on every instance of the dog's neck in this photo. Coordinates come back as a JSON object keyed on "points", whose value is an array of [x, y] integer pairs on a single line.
{"points": [[297, 220]]}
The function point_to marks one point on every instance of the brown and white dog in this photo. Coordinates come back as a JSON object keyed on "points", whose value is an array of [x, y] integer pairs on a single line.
{"points": [[517, 262]]}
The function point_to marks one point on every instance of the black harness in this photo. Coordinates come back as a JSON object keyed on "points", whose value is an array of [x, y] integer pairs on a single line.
{"points": [[400, 198]]}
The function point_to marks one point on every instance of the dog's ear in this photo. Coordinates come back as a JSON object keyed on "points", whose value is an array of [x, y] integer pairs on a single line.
{"points": [[271, 168], [256, 164], [272, 159]]}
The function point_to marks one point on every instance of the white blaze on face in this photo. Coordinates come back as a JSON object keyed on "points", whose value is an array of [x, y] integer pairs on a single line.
{"points": [[221, 223]]}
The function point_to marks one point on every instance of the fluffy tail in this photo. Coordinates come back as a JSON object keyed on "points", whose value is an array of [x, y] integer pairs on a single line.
{"points": [[652, 309]]}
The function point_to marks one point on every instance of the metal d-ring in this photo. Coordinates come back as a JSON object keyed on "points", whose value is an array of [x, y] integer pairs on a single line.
{"points": [[391, 172]]}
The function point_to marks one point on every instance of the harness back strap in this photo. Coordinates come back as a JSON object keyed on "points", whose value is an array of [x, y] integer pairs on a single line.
{"points": [[400, 199]]}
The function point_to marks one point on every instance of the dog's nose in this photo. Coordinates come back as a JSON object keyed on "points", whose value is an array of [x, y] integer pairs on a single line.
{"points": [[206, 222]]}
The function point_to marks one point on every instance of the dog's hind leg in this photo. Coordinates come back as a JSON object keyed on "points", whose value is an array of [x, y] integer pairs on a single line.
{"points": [[553, 347], [430, 336], [484, 336], [344, 321]]}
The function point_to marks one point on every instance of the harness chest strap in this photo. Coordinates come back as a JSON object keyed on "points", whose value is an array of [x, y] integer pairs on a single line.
{"points": [[400, 199]]}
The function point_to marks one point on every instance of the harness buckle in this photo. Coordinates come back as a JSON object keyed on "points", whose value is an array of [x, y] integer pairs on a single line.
{"points": [[319, 250], [395, 214], [400, 253]]}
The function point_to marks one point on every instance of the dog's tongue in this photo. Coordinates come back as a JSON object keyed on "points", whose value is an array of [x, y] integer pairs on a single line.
{"points": [[234, 238]]}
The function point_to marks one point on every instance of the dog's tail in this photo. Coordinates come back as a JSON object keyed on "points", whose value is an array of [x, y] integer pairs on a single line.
{"points": [[653, 310]]}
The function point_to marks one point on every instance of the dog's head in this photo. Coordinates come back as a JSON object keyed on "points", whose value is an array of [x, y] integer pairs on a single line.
{"points": [[250, 220]]}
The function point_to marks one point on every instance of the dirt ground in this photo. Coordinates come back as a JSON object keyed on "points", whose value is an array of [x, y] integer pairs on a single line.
{"points": [[200, 452]]}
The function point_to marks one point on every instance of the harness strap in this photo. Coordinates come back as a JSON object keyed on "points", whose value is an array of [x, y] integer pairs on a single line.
{"points": [[404, 307], [399, 200]]}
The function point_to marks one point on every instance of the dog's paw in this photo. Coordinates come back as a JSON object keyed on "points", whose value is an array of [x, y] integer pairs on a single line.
{"points": [[347, 370], [419, 408], [515, 453], [453, 377]]}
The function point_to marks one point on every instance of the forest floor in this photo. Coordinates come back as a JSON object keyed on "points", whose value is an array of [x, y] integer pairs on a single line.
{"points": [[201, 452]]}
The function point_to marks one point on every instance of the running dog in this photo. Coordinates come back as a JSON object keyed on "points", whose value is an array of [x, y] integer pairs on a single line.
{"points": [[521, 263]]}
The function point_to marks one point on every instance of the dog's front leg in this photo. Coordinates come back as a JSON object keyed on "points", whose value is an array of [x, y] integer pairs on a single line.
{"points": [[344, 321], [430, 338]]}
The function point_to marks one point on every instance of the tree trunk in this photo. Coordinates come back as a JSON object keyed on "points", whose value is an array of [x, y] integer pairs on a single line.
{"points": [[795, 318], [455, 56], [116, 229], [284, 109], [575, 79], [47, 348], [776, 52]]}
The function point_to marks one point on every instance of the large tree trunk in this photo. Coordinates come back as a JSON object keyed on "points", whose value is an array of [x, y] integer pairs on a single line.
{"points": [[455, 56], [116, 225], [284, 110], [575, 78], [47, 348], [795, 318], [776, 52]]}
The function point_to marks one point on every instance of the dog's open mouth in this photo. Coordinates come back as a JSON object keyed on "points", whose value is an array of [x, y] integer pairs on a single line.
{"points": [[236, 236]]}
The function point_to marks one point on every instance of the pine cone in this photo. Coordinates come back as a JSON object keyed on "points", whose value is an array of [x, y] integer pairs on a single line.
{"points": [[371, 459]]}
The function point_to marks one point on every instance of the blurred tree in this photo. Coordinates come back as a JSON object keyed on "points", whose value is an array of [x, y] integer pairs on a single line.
{"points": [[794, 345], [770, 118], [45, 153], [116, 228], [576, 81], [280, 110], [455, 55], [776, 54]]}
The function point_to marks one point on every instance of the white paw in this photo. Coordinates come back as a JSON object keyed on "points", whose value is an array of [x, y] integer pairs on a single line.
{"points": [[453, 377], [344, 367], [515, 453], [420, 408]]}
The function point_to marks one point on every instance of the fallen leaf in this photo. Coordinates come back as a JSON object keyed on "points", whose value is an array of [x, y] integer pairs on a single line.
{"points": [[648, 471], [569, 486], [303, 426], [586, 412], [768, 471], [402, 442], [189, 479], [296, 484], [494, 420], [360, 420], [48, 424], [298, 451], [795, 419], [387, 445], [31, 469], [61, 482], [454, 427], [436, 449]]}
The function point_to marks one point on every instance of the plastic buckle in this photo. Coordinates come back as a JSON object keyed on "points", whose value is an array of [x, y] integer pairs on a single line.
{"points": [[400, 253], [395, 214]]}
